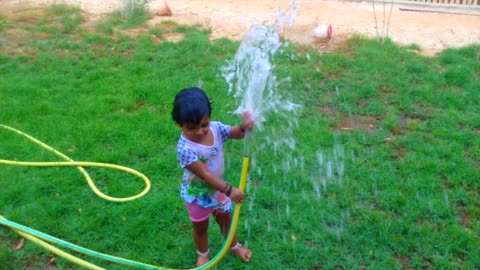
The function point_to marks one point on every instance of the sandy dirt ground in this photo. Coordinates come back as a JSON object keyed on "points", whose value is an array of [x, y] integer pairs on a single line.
{"points": [[433, 28]]}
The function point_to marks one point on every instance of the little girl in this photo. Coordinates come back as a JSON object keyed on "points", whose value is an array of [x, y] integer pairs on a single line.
{"points": [[200, 154]]}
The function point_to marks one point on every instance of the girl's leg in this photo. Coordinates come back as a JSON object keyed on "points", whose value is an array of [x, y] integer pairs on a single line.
{"points": [[200, 236], [224, 221]]}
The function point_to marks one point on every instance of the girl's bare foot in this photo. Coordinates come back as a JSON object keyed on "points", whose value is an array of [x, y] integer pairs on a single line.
{"points": [[202, 258], [241, 252]]}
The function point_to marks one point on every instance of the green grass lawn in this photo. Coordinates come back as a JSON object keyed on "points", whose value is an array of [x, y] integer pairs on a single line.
{"points": [[384, 173]]}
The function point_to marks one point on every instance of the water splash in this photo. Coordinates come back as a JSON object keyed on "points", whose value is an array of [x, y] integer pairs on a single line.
{"points": [[252, 81], [251, 78], [251, 75]]}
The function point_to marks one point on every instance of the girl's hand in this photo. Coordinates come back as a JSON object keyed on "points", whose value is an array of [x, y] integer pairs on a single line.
{"points": [[238, 132], [248, 120], [237, 196]]}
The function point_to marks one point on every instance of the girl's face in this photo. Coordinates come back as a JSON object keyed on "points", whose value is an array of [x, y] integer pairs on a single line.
{"points": [[197, 133]]}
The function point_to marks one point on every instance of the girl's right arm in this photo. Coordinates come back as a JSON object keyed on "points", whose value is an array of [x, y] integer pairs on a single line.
{"points": [[201, 170]]}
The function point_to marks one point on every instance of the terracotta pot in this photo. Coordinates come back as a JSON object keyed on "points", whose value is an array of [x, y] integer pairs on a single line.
{"points": [[163, 10]]}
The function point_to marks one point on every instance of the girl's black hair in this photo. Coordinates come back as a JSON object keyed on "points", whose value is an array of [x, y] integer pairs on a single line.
{"points": [[190, 106]]}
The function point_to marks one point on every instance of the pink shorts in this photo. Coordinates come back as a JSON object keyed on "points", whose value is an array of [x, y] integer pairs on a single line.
{"points": [[198, 213]]}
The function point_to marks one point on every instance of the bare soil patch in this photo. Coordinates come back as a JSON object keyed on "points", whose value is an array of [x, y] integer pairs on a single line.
{"points": [[432, 28]]}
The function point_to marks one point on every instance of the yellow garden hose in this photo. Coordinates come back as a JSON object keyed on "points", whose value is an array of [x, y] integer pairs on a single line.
{"points": [[41, 239], [51, 248], [70, 162]]}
